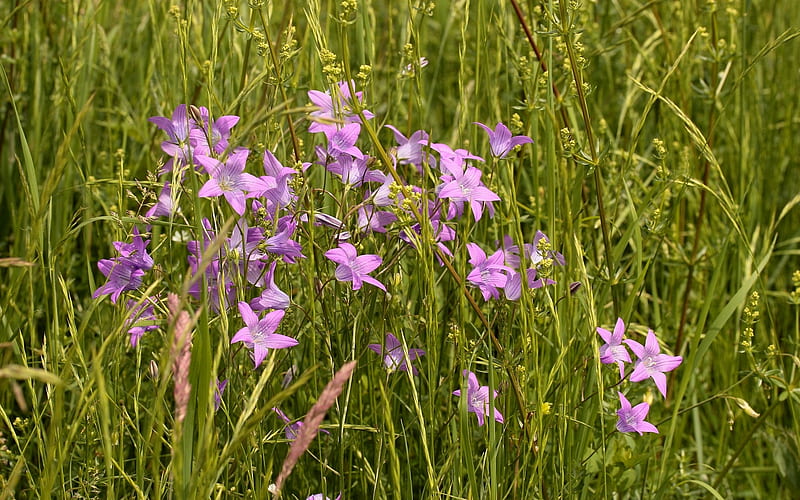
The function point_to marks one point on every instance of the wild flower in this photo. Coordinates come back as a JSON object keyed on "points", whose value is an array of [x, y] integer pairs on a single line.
{"points": [[331, 109], [501, 141], [135, 252], [466, 187], [371, 220], [125, 272], [141, 319], [651, 363], [122, 277], [292, 429], [163, 206], [613, 351], [320, 496], [354, 267], [213, 138], [536, 252], [219, 390], [478, 398], [513, 287], [279, 193], [393, 357], [230, 180], [271, 297], [354, 171], [259, 334], [409, 150], [488, 273], [632, 419], [178, 129], [281, 243], [343, 140]]}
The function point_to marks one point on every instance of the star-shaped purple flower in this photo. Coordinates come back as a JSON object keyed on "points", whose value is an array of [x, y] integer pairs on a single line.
{"points": [[632, 419], [328, 112], [467, 187], [478, 398], [393, 357], [488, 273], [292, 429], [259, 334], [230, 180], [651, 363], [354, 267], [613, 351], [501, 141]]}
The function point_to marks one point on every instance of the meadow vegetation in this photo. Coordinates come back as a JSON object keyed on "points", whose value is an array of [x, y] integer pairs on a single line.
{"points": [[559, 239]]}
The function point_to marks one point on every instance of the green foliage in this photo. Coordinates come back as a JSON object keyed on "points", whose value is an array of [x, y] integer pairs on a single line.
{"points": [[663, 167]]}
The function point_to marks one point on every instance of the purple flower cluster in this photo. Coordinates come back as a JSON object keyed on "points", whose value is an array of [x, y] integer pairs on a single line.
{"points": [[504, 270], [651, 363], [125, 272], [245, 266]]}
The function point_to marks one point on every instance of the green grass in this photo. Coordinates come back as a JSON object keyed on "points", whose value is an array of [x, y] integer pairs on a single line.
{"points": [[663, 167]]}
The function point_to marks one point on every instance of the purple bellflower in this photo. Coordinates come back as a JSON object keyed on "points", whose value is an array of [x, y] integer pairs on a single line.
{"points": [[281, 195], [178, 129], [292, 428], [371, 220], [122, 277], [478, 398], [135, 252], [488, 274], [219, 390], [271, 297], [320, 496], [214, 138], [393, 357], [141, 319], [467, 187], [513, 288], [632, 419], [230, 180], [343, 140], [259, 334], [613, 351], [281, 243], [501, 141], [163, 206], [651, 363], [355, 171], [354, 267], [409, 150], [125, 272], [334, 108]]}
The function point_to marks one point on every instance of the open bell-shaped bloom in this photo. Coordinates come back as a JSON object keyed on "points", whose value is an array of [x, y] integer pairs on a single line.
{"points": [[613, 351], [354, 267], [478, 399], [651, 363], [393, 357], [501, 140], [259, 334], [631, 419], [230, 180]]}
